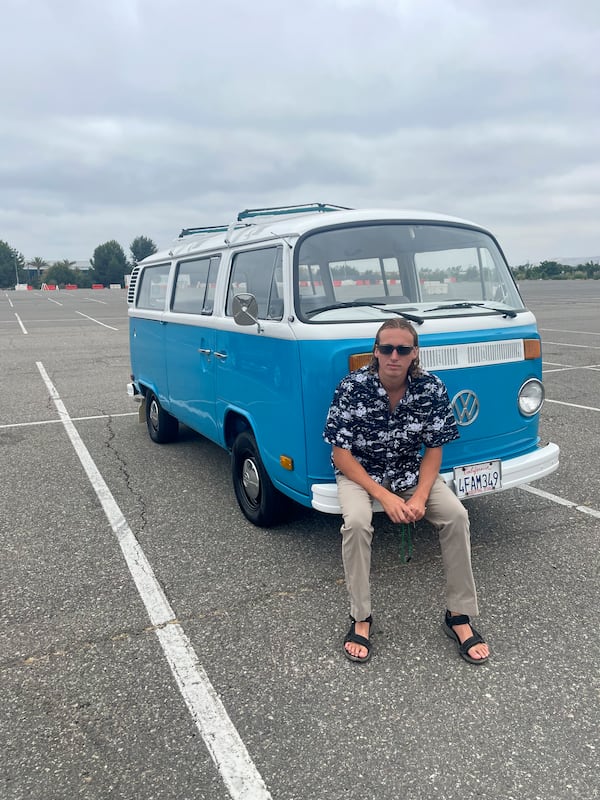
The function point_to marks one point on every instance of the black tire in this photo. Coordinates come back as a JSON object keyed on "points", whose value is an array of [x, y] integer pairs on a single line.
{"points": [[258, 499], [162, 427]]}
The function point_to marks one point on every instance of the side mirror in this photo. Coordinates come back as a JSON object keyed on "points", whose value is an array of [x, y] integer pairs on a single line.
{"points": [[245, 310]]}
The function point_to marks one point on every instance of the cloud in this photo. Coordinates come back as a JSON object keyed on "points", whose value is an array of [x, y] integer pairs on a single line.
{"points": [[141, 117]]}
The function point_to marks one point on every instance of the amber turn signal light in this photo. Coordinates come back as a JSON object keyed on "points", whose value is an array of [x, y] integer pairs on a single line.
{"points": [[287, 462], [359, 360], [532, 348]]}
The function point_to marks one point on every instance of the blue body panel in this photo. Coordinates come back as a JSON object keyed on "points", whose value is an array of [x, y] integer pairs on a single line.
{"points": [[148, 361], [282, 388], [191, 376], [260, 380]]}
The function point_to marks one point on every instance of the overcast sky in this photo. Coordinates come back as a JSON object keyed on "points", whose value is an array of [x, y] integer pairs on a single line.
{"points": [[122, 118]]}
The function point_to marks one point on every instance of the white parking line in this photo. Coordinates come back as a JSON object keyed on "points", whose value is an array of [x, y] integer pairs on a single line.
{"points": [[73, 419], [560, 330], [221, 738], [96, 320], [568, 344], [54, 320], [593, 367], [20, 323], [561, 501], [572, 405]]}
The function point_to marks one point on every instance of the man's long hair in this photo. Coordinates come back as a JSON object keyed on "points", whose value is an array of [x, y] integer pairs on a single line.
{"points": [[398, 323]]}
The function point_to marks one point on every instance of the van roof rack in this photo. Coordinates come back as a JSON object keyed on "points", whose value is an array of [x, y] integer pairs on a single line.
{"points": [[253, 213], [209, 229], [305, 208]]}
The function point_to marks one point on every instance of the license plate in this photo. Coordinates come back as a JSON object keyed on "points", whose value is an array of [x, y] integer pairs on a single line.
{"points": [[477, 479]]}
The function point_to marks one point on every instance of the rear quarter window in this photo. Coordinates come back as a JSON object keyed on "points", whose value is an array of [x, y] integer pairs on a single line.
{"points": [[153, 287]]}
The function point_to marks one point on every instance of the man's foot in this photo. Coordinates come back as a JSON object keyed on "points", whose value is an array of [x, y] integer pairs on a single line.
{"points": [[357, 646], [471, 645]]}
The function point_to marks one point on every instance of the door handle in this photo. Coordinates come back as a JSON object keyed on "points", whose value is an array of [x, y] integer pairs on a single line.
{"points": [[205, 351], [222, 356]]}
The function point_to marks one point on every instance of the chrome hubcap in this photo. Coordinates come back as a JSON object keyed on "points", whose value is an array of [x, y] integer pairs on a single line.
{"points": [[154, 413], [250, 479]]}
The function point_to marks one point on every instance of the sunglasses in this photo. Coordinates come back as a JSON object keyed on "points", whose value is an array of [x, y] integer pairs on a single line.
{"points": [[401, 349]]}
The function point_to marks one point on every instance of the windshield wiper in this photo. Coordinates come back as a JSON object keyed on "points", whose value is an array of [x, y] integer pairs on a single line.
{"points": [[358, 304], [506, 312], [405, 314]]}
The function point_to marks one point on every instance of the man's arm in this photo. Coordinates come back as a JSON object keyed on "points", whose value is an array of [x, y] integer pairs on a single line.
{"points": [[428, 473]]}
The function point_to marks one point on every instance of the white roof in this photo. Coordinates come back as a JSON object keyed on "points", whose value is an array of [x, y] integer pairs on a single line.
{"points": [[292, 226]]}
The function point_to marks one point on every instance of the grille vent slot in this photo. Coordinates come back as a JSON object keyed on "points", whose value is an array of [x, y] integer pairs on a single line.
{"points": [[477, 354]]}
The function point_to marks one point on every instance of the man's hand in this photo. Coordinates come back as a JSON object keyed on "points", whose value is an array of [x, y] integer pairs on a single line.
{"points": [[398, 510], [417, 505], [395, 507]]}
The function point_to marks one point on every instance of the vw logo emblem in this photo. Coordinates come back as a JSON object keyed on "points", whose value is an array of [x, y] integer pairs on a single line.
{"points": [[465, 405]]}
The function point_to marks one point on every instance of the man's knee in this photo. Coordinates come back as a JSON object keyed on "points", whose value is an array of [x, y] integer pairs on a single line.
{"points": [[358, 522], [461, 515], [451, 507]]}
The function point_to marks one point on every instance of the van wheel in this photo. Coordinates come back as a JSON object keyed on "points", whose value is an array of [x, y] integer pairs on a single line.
{"points": [[162, 427], [259, 500]]}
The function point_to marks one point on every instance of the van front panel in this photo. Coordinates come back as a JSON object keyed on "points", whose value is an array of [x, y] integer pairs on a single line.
{"points": [[498, 431]]}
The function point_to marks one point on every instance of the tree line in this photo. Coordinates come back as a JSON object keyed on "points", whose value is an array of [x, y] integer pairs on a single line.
{"points": [[108, 266], [554, 270]]}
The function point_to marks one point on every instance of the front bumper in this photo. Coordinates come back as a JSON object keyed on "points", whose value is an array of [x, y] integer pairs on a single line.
{"points": [[515, 472], [132, 391], [138, 397]]}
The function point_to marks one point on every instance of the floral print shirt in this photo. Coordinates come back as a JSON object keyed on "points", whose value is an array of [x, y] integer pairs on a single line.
{"points": [[389, 445]]}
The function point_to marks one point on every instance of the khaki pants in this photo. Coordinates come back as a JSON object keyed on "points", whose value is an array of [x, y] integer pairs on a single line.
{"points": [[444, 511]]}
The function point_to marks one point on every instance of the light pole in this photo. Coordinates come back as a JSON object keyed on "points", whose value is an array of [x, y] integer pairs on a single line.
{"points": [[16, 270]]}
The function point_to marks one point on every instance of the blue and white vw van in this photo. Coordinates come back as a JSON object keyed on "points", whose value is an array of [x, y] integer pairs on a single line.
{"points": [[242, 331]]}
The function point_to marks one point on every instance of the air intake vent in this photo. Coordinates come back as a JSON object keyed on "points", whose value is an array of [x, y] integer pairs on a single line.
{"points": [[133, 278], [478, 354]]}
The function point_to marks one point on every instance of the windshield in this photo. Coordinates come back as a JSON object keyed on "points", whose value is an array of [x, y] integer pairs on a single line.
{"points": [[353, 272]]}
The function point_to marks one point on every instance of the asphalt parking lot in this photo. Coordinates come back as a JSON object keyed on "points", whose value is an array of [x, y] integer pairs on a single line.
{"points": [[92, 705]]}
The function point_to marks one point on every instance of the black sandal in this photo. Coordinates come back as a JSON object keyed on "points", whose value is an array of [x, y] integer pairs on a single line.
{"points": [[355, 638], [463, 649]]}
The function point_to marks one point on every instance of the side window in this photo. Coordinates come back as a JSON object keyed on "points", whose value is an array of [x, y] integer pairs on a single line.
{"points": [[153, 287], [195, 286], [260, 273]]}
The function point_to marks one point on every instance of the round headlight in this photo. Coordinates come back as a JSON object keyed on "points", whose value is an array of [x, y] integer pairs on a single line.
{"points": [[531, 397]]}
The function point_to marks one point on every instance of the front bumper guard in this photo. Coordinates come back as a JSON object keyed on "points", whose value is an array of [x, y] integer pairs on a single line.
{"points": [[515, 472]]}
